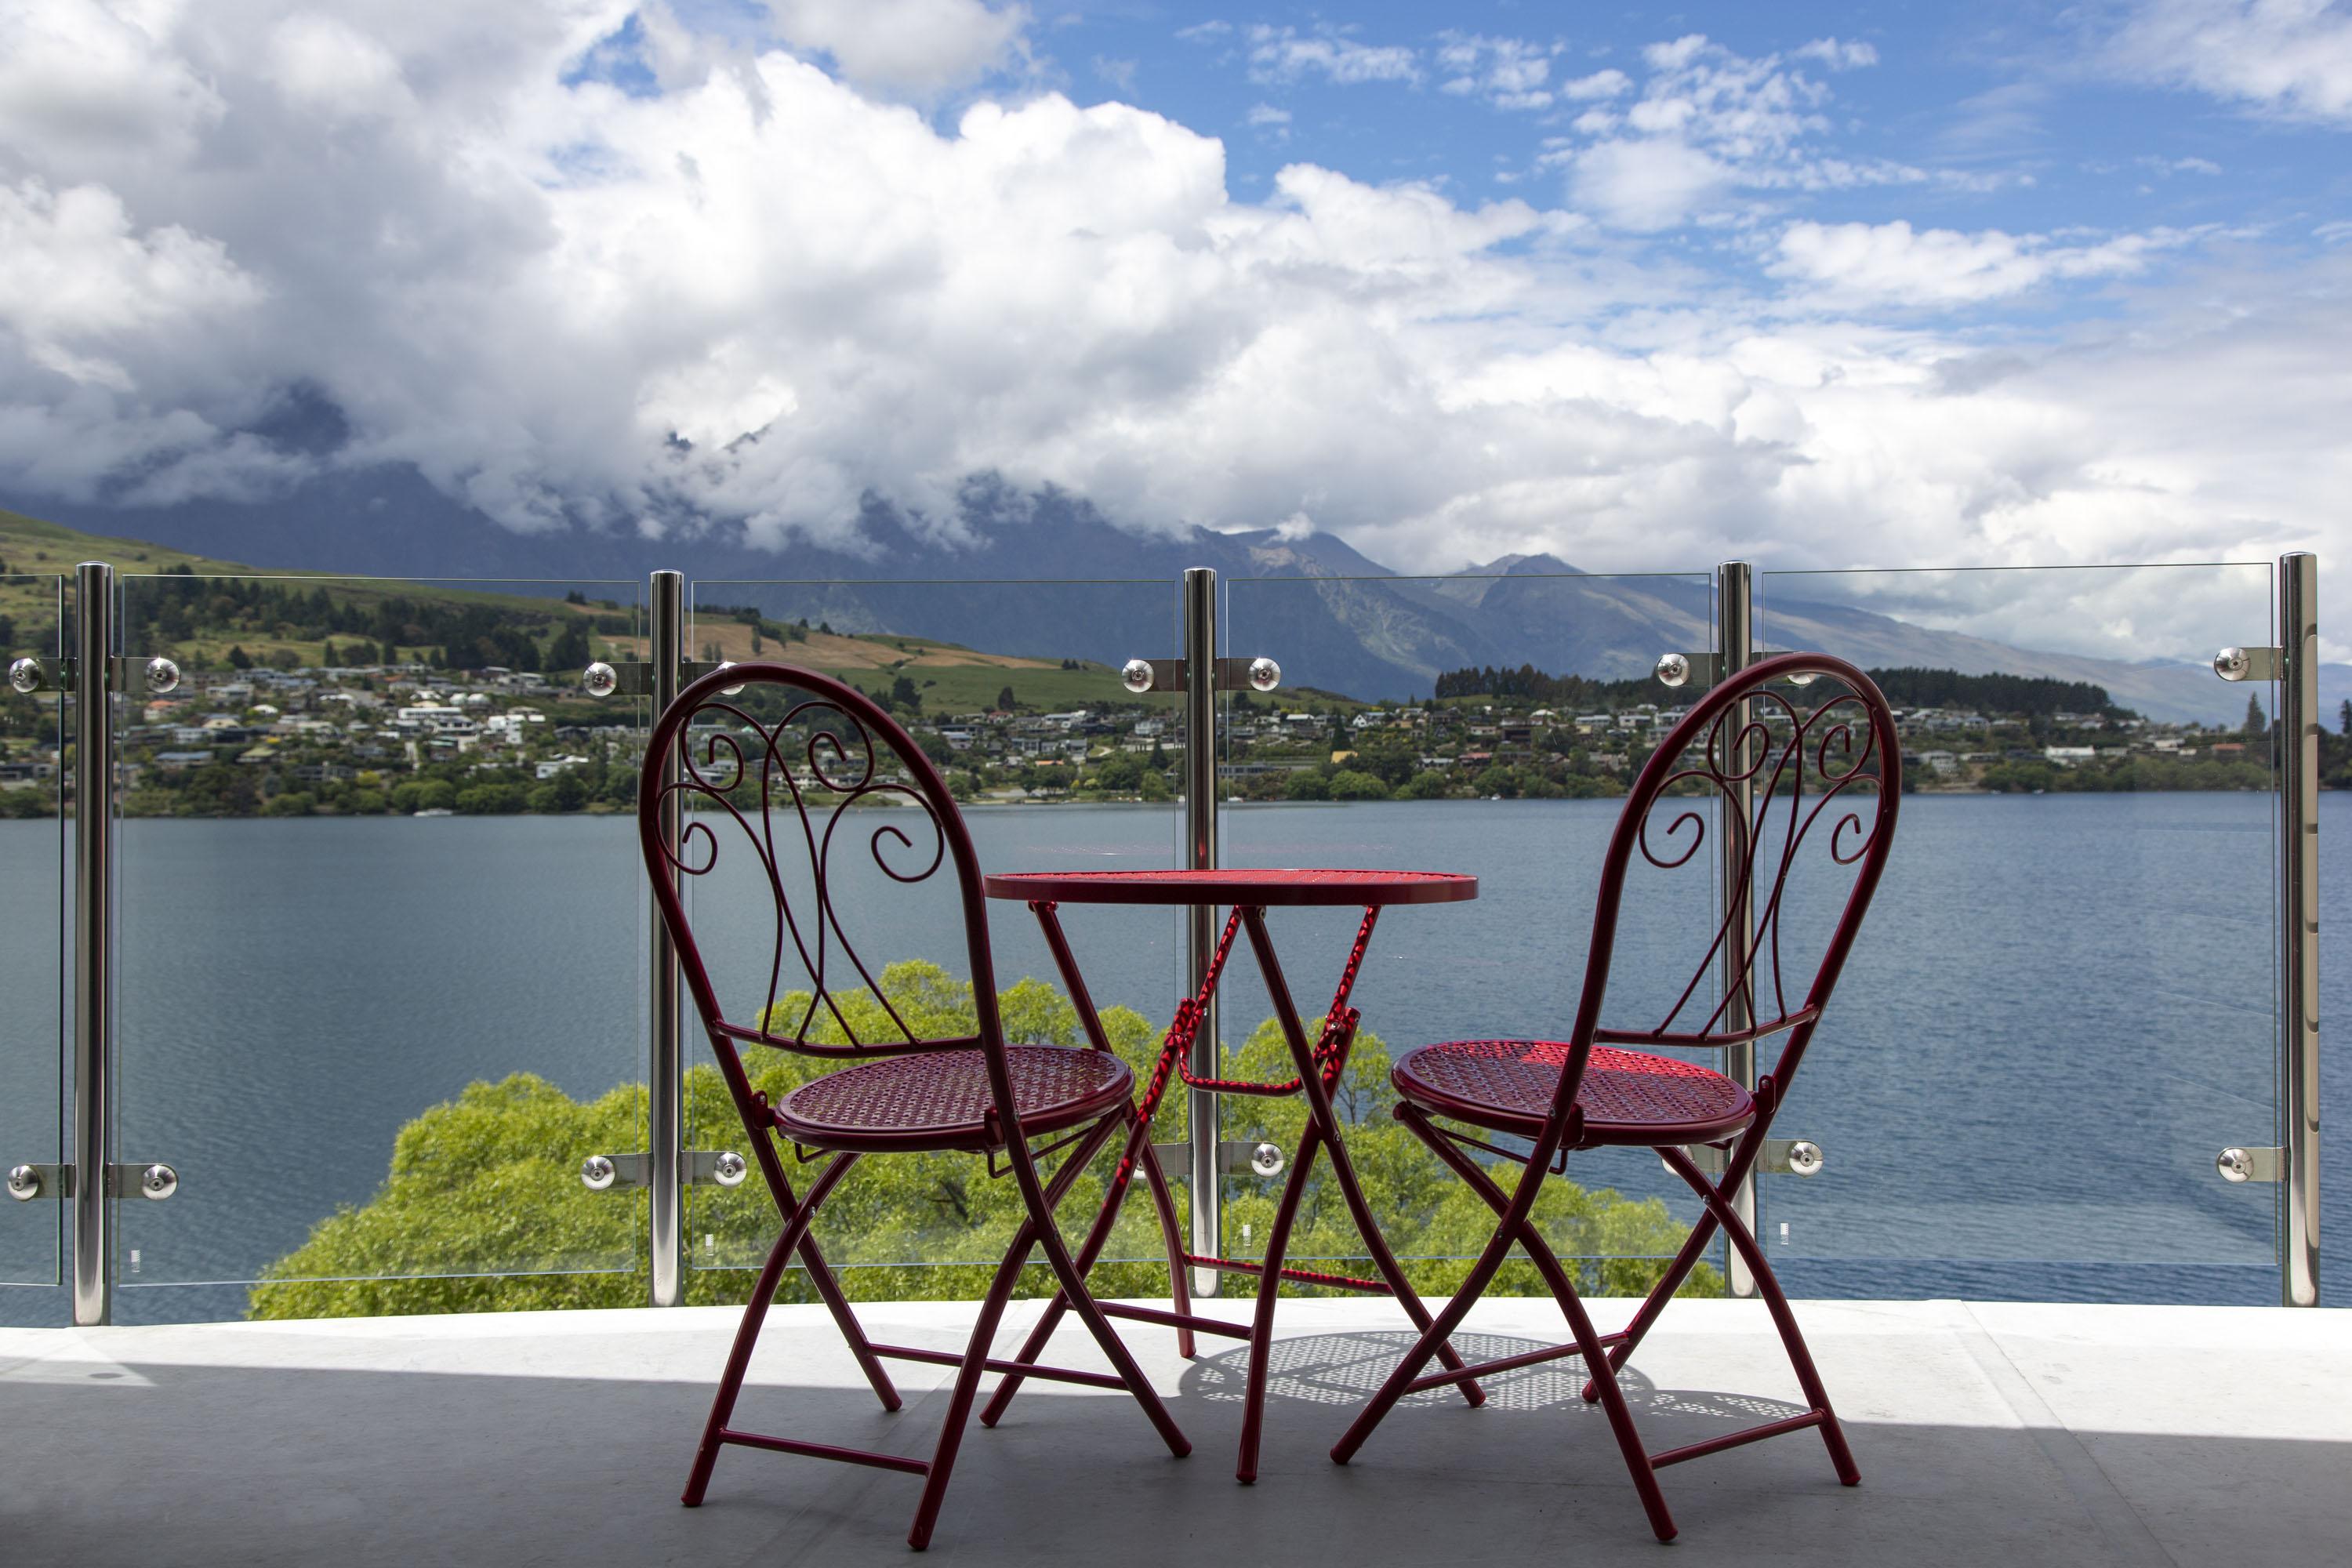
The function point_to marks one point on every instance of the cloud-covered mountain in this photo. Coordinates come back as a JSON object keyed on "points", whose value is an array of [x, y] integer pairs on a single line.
{"points": [[1046, 573]]}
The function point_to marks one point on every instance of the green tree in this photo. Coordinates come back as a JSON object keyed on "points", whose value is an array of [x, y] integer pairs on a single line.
{"points": [[482, 1209], [2256, 726], [1004, 700], [1306, 785], [1350, 785], [1428, 785], [238, 658]]}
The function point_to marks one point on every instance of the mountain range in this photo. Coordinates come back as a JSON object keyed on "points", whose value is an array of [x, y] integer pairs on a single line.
{"points": [[1046, 574]]}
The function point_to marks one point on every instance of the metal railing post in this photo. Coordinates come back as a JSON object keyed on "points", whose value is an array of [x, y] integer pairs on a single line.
{"points": [[1201, 855], [666, 1073], [93, 939], [2297, 724], [1735, 614]]}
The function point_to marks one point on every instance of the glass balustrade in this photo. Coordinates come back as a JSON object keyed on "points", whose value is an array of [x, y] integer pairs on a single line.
{"points": [[2063, 1006], [32, 961], [383, 936], [1482, 724], [380, 962]]}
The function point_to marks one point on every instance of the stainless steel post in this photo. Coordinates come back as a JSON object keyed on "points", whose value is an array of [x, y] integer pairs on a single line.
{"points": [[1734, 615], [1201, 855], [666, 1070], [93, 939], [2297, 724]]}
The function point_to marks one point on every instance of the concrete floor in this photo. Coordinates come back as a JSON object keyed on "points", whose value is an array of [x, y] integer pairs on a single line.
{"points": [[2008, 1435]]}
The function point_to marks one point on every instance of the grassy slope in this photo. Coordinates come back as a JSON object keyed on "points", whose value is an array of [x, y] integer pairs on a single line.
{"points": [[954, 680]]}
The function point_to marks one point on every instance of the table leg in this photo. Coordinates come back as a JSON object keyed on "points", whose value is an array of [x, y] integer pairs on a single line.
{"points": [[1323, 1119]]}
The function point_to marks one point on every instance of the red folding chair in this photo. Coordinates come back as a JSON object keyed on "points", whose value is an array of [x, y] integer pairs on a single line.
{"points": [[737, 773], [1835, 756]]}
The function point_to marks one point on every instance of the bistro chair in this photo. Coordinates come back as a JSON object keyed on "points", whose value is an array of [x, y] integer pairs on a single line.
{"points": [[1824, 768], [790, 792]]}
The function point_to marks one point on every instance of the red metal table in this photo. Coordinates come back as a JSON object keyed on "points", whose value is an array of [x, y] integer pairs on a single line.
{"points": [[1319, 1063]]}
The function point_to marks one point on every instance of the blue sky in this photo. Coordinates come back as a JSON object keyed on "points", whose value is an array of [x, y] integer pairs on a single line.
{"points": [[1826, 286]]}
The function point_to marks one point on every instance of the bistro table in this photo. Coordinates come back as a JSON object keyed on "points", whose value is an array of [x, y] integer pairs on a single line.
{"points": [[1319, 1063]]}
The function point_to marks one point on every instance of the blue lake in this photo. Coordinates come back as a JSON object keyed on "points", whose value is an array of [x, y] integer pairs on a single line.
{"points": [[2059, 1009]]}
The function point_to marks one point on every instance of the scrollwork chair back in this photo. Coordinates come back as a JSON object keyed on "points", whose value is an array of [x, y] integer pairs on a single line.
{"points": [[784, 767], [1822, 763]]}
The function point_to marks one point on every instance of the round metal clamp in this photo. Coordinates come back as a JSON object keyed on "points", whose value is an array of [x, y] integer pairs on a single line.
{"points": [[600, 679], [729, 1168], [24, 675], [1264, 675], [1673, 669], [2232, 663], [162, 675], [2235, 1164], [597, 1173], [728, 691], [158, 1182], [1135, 676], [23, 1183], [1266, 1160], [1805, 1158]]}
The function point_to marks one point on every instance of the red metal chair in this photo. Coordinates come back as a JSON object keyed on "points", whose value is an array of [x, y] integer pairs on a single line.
{"points": [[1834, 754], [907, 1093]]}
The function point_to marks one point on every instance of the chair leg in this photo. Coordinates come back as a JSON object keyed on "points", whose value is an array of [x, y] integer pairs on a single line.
{"points": [[1096, 1236], [1776, 1302], [828, 1291], [1653, 1305], [967, 1386], [1613, 1400], [1122, 1360], [1439, 1331], [755, 1312]]}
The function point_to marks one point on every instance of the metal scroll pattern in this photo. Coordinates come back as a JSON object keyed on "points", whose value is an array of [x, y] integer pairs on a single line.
{"points": [[788, 788], [1803, 765]]}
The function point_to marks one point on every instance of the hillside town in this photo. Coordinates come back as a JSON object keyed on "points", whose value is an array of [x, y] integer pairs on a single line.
{"points": [[414, 740]]}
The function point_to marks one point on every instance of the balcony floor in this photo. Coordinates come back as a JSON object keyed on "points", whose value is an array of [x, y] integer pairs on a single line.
{"points": [[2010, 1434]]}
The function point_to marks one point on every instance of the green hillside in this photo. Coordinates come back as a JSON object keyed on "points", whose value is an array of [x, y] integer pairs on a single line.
{"points": [[211, 614]]}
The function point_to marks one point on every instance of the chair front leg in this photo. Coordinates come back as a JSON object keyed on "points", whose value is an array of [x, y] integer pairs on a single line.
{"points": [[797, 1220], [1776, 1302], [967, 1383], [1082, 1302], [1104, 1217]]}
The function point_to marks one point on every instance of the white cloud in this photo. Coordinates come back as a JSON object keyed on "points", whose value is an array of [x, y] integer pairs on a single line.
{"points": [[1649, 183], [911, 46], [526, 289], [1510, 73], [1851, 55], [1848, 265], [2292, 58], [1708, 125], [1600, 84], [1267, 114], [1284, 54]]}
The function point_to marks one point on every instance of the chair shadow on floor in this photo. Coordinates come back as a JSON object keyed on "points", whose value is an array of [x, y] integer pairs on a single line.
{"points": [[1341, 1370]]}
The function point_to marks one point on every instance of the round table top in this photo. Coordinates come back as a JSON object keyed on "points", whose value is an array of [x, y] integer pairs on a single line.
{"points": [[1289, 886]]}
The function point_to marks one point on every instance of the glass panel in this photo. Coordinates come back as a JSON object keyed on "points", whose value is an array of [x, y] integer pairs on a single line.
{"points": [[32, 977], [381, 953], [2062, 1005], [1487, 724], [1014, 688]]}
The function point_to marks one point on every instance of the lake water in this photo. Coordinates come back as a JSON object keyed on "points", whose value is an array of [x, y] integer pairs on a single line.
{"points": [[2058, 1011]]}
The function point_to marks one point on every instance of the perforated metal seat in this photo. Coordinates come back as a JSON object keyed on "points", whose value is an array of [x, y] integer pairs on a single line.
{"points": [[1627, 1097], [939, 1100]]}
